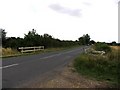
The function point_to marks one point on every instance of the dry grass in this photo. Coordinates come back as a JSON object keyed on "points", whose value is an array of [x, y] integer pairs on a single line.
{"points": [[115, 47], [9, 52]]}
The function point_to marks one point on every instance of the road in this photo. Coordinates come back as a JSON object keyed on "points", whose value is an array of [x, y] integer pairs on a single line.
{"points": [[17, 71]]}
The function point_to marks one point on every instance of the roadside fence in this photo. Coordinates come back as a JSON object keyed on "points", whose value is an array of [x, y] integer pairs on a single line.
{"points": [[31, 49]]}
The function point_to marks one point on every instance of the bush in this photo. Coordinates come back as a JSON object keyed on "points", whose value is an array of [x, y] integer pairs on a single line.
{"points": [[102, 47]]}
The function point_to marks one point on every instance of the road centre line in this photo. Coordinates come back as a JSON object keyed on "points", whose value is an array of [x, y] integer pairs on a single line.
{"points": [[8, 66], [51, 56], [57, 54], [40, 58]]}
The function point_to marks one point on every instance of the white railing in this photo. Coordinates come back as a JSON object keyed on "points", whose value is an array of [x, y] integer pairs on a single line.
{"points": [[31, 49]]}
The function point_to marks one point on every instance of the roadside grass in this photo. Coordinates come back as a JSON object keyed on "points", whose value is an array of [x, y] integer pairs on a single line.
{"points": [[100, 67], [8, 52]]}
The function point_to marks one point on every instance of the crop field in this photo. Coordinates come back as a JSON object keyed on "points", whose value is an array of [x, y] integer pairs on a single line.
{"points": [[115, 47]]}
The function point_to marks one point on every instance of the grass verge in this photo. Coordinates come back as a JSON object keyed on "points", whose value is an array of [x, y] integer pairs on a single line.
{"points": [[8, 52], [103, 68]]}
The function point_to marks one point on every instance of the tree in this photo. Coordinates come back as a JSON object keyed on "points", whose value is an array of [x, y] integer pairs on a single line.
{"points": [[31, 39], [87, 39], [11, 42], [92, 42], [84, 40], [3, 36], [48, 40], [114, 43]]}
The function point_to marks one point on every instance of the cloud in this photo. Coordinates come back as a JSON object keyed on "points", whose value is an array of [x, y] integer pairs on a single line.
{"points": [[87, 3], [64, 10], [117, 1]]}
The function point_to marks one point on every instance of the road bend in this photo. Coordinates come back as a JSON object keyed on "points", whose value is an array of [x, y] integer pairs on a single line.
{"points": [[17, 71]]}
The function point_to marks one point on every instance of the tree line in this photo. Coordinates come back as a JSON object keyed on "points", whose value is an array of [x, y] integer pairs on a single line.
{"points": [[32, 38]]}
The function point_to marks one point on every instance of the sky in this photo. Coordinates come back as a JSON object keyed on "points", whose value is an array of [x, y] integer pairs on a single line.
{"points": [[63, 19]]}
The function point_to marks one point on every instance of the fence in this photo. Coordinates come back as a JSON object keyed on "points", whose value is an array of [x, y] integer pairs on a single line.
{"points": [[31, 49]]}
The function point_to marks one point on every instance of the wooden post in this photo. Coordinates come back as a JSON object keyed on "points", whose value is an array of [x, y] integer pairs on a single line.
{"points": [[22, 50], [34, 49]]}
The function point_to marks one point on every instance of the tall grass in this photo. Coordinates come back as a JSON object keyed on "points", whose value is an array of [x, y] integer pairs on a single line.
{"points": [[106, 68], [9, 52]]}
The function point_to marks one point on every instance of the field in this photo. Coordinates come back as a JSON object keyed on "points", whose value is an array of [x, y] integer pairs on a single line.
{"points": [[115, 47], [100, 67]]}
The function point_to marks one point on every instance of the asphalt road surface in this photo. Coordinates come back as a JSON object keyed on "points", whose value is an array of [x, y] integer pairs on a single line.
{"points": [[17, 71]]}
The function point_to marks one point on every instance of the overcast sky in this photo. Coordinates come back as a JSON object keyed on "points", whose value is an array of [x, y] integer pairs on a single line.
{"points": [[63, 19]]}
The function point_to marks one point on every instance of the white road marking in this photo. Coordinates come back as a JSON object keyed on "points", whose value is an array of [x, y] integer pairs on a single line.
{"points": [[41, 58], [57, 54], [8, 66], [50, 56]]}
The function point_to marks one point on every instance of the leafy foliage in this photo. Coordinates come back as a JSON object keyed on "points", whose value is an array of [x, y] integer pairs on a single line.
{"points": [[84, 40], [34, 39], [3, 36], [102, 47]]}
